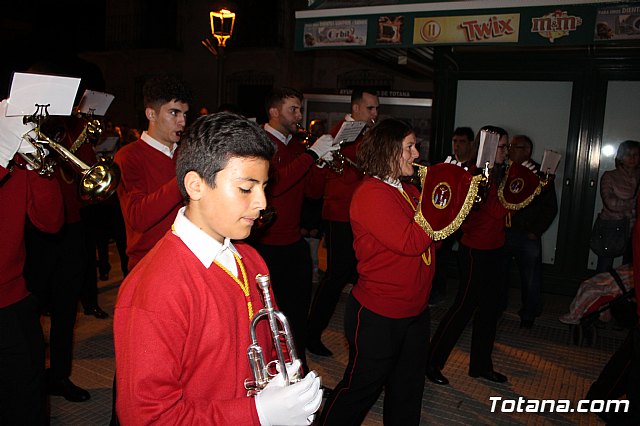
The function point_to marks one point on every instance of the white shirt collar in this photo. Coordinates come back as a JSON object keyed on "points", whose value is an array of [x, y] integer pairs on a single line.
{"points": [[205, 248], [277, 134], [393, 182], [157, 145]]}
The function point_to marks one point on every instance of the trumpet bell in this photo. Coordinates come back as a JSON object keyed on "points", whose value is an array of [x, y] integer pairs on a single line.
{"points": [[99, 182]]}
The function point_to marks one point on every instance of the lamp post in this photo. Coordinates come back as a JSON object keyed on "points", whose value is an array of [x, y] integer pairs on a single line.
{"points": [[221, 28]]}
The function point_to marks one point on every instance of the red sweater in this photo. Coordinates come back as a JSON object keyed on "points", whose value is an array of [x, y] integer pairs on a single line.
{"points": [[292, 176], [636, 256], [394, 281], [181, 333], [23, 194], [483, 228], [339, 188], [149, 196]]}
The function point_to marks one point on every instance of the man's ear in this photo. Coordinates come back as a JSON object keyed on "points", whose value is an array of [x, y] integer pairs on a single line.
{"points": [[355, 108], [274, 112], [150, 113], [194, 184]]}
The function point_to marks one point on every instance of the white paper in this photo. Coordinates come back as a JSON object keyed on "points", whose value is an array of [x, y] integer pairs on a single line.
{"points": [[27, 90], [108, 144], [550, 162], [487, 148], [349, 132], [96, 103]]}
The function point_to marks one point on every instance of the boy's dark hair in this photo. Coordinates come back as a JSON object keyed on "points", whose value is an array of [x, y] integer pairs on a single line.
{"points": [[161, 89], [381, 145], [464, 131], [276, 97], [356, 94], [210, 141]]}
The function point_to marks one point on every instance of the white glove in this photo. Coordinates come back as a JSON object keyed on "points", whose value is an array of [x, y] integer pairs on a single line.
{"points": [[11, 131], [323, 145], [295, 404]]}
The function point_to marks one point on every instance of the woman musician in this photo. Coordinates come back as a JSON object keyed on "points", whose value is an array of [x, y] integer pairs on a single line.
{"points": [[386, 317]]}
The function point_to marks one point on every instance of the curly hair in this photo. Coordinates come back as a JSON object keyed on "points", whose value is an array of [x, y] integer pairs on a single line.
{"points": [[381, 146], [161, 89]]}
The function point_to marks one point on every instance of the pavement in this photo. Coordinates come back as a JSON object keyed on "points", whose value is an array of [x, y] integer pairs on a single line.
{"points": [[542, 363]]}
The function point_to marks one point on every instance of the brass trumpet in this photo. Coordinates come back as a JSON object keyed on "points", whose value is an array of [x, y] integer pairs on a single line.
{"points": [[97, 182], [279, 326], [339, 160], [91, 133]]}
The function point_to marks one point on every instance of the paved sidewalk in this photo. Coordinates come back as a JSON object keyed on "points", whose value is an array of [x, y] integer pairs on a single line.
{"points": [[540, 364]]}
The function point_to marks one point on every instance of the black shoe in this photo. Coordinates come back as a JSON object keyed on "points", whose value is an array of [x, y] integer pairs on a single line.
{"points": [[492, 376], [70, 392], [316, 347], [96, 312], [433, 373]]}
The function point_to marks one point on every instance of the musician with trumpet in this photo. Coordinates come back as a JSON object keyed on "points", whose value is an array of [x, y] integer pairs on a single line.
{"points": [[24, 194], [293, 175], [387, 316], [338, 190], [481, 254], [189, 344]]}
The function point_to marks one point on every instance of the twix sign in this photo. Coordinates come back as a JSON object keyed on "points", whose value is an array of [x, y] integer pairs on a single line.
{"points": [[498, 28]]}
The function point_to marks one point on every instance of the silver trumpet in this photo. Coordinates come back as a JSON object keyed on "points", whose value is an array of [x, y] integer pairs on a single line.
{"points": [[280, 332]]}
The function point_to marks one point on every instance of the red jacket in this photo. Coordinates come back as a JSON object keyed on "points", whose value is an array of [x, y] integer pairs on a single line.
{"points": [[483, 228], [292, 175], [23, 194], [149, 196], [339, 189], [394, 280]]}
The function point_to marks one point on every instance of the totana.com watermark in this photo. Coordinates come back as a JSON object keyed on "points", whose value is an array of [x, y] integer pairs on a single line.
{"points": [[522, 405]]}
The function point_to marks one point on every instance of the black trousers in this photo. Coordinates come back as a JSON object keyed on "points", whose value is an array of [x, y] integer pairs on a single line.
{"points": [[384, 353], [23, 399], [341, 269], [55, 271], [290, 269], [477, 297]]}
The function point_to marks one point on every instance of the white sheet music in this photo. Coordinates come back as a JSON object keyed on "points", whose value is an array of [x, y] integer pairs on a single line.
{"points": [[94, 102], [349, 132], [487, 148], [27, 90], [550, 161]]}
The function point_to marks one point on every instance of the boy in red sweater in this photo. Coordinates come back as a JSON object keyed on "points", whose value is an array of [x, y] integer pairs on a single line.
{"points": [[148, 193], [182, 320]]}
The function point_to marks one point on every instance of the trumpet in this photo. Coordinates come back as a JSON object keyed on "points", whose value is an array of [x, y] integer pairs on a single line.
{"points": [[97, 182], [279, 326], [339, 160], [91, 133]]}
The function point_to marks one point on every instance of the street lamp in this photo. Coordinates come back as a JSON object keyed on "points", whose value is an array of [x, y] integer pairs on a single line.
{"points": [[221, 28]]}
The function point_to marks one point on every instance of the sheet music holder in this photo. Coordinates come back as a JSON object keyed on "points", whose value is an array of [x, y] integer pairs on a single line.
{"points": [[96, 103], [31, 91], [349, 132], [107, 145], [487, 148], [550, 161]]}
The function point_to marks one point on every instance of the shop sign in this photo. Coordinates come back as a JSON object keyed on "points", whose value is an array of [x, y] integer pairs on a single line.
{"points": [[349, 32], [555, 25], [499, 28], [618, 23]]}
